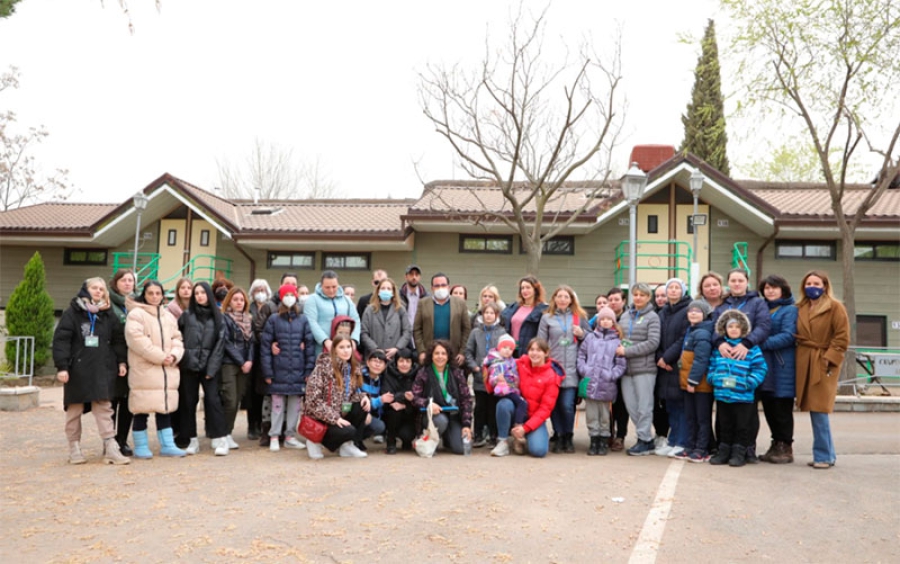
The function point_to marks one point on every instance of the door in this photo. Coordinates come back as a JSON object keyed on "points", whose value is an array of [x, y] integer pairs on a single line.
{"points": [[172, 233], [683, 232], [652, 258], [203, 250]]}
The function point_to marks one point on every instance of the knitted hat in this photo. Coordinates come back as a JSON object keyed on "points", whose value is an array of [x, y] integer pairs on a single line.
{"points": [[702, 306], [506, 341], [286, 289], [606, 313], [680, 282]]}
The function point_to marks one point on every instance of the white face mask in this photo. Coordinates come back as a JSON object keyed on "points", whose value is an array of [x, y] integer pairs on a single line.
{"points": [[289, 300], [260, 297], [442, 294], [303, 298]]}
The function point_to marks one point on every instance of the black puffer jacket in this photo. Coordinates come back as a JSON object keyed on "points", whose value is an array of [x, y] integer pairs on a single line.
{"points": [[204, 343], [673, 325]]}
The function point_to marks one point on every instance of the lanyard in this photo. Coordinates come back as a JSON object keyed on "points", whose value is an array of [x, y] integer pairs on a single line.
{"points": [[562, 325], [635, 315], [487, 338], [93, 318], [347, 382], [741, 305]]}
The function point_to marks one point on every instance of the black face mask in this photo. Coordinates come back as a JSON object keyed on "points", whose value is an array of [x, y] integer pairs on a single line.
{"points": [[221, 294]]}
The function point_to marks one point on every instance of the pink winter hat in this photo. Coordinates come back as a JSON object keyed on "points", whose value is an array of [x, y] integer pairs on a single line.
{"points": [[506, 341]]}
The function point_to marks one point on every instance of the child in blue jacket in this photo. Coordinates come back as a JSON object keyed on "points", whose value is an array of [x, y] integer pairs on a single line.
{"points": [[698, 393], [376, 364], [734, 382]]}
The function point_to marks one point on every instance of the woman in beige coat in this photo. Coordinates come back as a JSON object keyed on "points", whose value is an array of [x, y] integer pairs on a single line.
{"points": [[823, 333], [154, 349]]}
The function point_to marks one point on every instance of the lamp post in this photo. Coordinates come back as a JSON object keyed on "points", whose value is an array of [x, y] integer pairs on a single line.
{"points": [[140, 204], [697, 180], [633, 185]]}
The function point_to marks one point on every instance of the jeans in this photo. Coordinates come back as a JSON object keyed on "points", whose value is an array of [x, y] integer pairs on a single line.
{"points": [[537, 441], [376, 427], [823, 446], [449, 427], [563, 415], [698, 420], [677, 423]]}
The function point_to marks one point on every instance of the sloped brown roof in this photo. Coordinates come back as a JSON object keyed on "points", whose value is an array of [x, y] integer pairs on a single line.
{"points": [[324, 216], [54, 217], [810, 200], [223, 209]]}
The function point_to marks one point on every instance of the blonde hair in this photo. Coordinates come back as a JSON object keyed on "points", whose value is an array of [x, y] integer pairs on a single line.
{"points": [[826, 283], [375, 301], [94, 280], [183, 304]]}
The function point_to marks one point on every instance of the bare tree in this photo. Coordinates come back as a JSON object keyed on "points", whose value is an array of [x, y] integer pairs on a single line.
{"points": [[835, 64], [21, 179], [526, 125], [276, 173]]}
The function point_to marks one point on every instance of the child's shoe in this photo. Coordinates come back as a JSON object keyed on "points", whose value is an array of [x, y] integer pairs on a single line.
{"points": [[167, 444], [738, 456], [641, 448], [723, 455], [273, 444], [698, 456], [594, 449]]}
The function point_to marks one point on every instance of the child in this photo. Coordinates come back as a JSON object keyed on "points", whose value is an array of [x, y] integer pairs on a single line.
{"points": [[400, 415], [484, 336], [502, 379], [734, 382], [376, 363], [597, 361], [698, 393]]}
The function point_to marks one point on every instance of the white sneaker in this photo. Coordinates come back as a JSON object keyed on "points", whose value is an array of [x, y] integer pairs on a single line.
{"points": [[273, 444], [502, 448], [232, 445], [378, 439], [221, 446], [676, 450], [193, 447], [292, 442], [664, 450], [349, 450], [660, 441], [314, 450]]}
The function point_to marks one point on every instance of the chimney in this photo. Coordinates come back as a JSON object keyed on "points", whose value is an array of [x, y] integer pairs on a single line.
{"points": [[256, 191], [649, 157]]}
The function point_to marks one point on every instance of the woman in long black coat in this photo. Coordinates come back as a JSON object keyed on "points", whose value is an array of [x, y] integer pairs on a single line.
{"points": [[89, 353]]}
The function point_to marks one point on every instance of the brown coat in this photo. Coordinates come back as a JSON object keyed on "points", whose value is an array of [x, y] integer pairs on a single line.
{"points": [[152, 334], [823, 334], [460, 325]]}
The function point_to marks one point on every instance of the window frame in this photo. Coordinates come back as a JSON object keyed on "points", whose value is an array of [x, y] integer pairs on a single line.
{"points": [[365, 256], [832, 246], [270, 255], [559, 238], [68, 261], [874, 245], [463, 237]]}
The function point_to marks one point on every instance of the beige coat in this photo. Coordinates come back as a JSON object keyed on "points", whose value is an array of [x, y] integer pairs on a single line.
{"points": [[152, 334], [823, 334]]}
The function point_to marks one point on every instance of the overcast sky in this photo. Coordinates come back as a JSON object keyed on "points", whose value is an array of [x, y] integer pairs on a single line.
{"points": [[336, 81]]}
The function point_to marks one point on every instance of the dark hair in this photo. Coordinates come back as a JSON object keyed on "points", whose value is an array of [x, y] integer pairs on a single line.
{"points": [[376, 353], [615, 291], [541, 344], [538, 289], [405, 353], [776, 281], [147, 284], [465, 292], [118, 276], [740, 271], [196, 308], [288, 274], [439, 275], [328, 274], [451, 355]]}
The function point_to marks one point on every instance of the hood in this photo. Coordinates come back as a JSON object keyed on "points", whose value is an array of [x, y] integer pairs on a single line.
{"points": [[154, 310], [338, 319], [321, 294], [730, 314], [82, 301], [679, 305], [780, 302], [706, 324]]}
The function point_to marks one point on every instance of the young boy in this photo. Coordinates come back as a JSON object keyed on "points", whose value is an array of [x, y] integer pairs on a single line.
{"points": [[698, 393], [376, 364], [502, 376], [734, 382]]}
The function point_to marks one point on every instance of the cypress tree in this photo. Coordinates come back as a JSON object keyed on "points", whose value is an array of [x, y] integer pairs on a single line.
{"points": [[704, 123], [29, 312]]}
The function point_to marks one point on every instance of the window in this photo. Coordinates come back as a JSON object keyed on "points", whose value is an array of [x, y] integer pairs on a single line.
{"points": [[871, 330], [291, 260], [485, 244], [652, 224], [204, 238], [806, 249], [346, 261], [172, 237], [877, 251], [563, 245], [92, 257]]}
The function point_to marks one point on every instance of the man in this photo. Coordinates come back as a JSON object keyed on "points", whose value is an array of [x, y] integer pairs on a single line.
{"points": [[411, 292], [323, 305], [442, 316], [363, 303]]}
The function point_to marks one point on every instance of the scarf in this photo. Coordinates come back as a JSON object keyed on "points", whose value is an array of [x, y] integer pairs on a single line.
{"points": [[243, 321]]}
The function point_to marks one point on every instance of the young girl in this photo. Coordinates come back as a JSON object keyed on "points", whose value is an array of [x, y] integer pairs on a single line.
{"points": [[692, 374], [597, 361], [484, 336], [502, 379], [286, 373]]}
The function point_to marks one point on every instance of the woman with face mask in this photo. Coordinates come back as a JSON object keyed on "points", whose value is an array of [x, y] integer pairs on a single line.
{"points": [[823, 334], [385, 324], [260, 294]]}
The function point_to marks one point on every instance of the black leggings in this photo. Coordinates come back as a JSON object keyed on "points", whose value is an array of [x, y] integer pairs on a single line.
{"points": [[335, 436], [163, 421]]}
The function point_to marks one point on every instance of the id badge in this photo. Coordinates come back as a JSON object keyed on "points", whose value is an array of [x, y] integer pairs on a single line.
{"points": [[729, 383], [626, 343], [565, 342], [92, 341], [345, 407]]}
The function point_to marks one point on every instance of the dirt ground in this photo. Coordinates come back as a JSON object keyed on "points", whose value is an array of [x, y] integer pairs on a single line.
{"points": [[258, 506]]}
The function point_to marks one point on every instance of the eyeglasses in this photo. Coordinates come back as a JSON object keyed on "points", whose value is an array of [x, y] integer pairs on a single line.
{"points": [[441, 285]]}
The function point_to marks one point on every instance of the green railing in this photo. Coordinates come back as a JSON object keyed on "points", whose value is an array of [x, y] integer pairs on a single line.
{"points": [[147, 266], [201, 268], [680, 260], [739, 258]]}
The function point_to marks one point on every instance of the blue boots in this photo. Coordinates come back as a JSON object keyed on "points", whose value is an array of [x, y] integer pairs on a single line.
{"points": [[141, 450], [167, 443]]}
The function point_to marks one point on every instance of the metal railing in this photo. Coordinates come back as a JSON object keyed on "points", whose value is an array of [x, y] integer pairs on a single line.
{"points": [[22, 363], [201, 268], [681, 265], [739, 258], [147, 266], [879, 366]]}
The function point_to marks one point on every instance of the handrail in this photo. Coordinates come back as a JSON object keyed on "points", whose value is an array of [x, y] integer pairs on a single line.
{"points": [[739, 258], [198, 271], [147, 265], [622, 252]]}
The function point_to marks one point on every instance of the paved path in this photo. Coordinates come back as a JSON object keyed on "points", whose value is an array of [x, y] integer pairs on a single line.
{"points": [[257, 506]]}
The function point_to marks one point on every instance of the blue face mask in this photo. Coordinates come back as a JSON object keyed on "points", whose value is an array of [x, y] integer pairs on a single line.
{"points": [[385, 296], [813, 292]]}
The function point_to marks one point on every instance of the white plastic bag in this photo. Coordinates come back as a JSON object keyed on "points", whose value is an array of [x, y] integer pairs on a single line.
{"points": [[427, 442]]}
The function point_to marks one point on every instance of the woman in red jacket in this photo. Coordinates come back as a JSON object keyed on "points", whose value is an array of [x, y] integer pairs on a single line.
{"points": [[539, 378]]}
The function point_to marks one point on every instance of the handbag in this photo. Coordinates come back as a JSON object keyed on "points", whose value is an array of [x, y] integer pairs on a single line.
{"points": [[313, 429], [428, 441]]}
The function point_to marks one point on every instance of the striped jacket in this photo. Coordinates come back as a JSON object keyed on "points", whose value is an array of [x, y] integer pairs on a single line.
{"points": [[734, 381]]}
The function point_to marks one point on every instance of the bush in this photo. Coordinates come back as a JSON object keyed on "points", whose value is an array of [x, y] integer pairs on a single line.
{"points": [[29, 312]]}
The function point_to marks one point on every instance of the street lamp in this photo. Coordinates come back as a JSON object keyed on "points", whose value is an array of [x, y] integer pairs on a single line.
{"points": [[633, 185], [697, 180], [140, 204]]}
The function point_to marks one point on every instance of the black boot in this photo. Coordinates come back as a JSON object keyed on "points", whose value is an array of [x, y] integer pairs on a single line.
{"points": [[603, 447], [264, 434], [557, 443], [723, 454], [738, 456], [750, 457], [569, 446], [594, 450], [253, 431]]}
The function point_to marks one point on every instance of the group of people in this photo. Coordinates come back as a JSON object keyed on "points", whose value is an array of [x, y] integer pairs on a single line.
{"points": [[317, 371]]}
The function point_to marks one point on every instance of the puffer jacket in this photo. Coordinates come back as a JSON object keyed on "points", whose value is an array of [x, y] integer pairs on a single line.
{"points": [[756, 310], [734, 381], [641, 330], [323, 395], [780, 350], [203, 346], [372, 388], [557, 328], [152, 334], [384, 332], [291, 367], [597, 361], [539, 386], [238, 349], [673, 324], [695, 357], [529, 328], [482, 339]]}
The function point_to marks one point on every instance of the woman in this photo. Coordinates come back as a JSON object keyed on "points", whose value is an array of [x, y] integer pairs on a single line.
{"points": [[659, 297], [334, 397], [260, 293], [154, 349], [564, 325], [121, 287], [89, 354], [184, 289], [539, 385], [203, 331], [240, 351], [460, 292], [400, 415], [600, 302], [521, 319], [823, 334], [710, 289], [777, 390], [489, 294], [442, 381], [668, 413], [385, 324]]}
